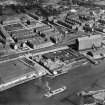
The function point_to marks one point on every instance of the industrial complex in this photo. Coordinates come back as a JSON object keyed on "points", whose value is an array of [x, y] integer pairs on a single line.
{"points": [[45, 41]]}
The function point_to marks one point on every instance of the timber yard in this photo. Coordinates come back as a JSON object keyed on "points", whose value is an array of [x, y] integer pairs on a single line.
{"points": [[52, 52]]}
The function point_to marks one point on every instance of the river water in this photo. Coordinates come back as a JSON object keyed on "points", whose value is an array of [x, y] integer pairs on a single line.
{"points": [[88, 77]]}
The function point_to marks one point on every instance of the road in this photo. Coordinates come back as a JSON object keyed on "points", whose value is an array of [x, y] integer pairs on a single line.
{"points": [[87, 77], [19, 54]]}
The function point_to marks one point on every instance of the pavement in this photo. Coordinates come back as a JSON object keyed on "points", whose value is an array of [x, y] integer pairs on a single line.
{"points": [[13, 69]]}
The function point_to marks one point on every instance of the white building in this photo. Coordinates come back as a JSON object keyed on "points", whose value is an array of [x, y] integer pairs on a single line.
{"points": [[89, 41]]}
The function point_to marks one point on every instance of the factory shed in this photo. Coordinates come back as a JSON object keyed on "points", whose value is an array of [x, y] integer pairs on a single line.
{"points": [[89, 42]]}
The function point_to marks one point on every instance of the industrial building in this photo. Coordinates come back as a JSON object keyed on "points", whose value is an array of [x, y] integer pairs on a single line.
{"points": [[89, 41], [54, 47], [60, 61], [24, 29]]}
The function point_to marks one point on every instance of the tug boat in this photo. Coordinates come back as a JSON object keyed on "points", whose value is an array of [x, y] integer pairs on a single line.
{"points": [[54, 92]]}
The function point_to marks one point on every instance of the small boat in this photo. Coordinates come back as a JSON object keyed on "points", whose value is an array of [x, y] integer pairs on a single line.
{"points": [[54, 92]]}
